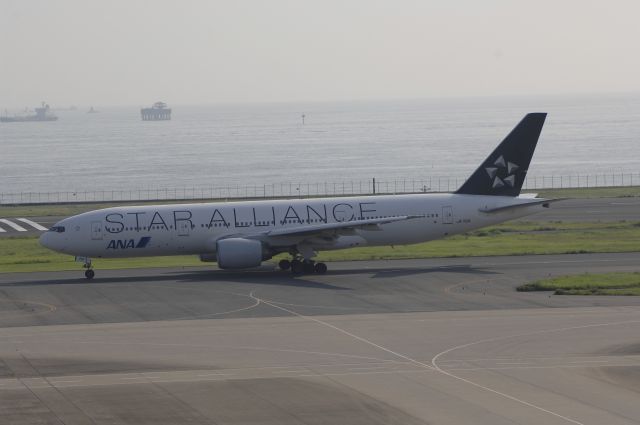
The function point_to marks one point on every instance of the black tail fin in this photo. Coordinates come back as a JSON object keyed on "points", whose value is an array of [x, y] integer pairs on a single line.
{"points": [[503, 172]]}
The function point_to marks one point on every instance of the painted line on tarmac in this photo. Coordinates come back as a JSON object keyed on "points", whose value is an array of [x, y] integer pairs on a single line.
{"points": [[434, 366], [32, 224], [345, 332], [13, 225], [434, 362]]}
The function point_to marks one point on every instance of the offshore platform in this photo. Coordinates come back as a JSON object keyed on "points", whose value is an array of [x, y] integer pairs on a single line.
{"points": [[157, 112]]}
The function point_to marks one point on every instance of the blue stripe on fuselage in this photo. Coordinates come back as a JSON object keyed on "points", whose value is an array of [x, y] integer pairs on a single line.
{"points": [[143, 241]]}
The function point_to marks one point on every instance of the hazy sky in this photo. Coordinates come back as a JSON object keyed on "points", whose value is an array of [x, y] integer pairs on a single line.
{"points": [[129, 52]]}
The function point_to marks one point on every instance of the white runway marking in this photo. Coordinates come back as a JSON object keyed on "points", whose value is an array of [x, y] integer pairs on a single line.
{"points": [[2, 230], [196, 375], [359, 338], [434, 365], [32, 224], [434, 362], [13, 225], [317, 306]]}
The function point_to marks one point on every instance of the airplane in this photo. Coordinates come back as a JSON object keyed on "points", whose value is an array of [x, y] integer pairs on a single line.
{"points": [[241, 235]]}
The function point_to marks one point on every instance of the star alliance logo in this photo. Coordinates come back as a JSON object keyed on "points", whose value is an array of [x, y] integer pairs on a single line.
{"points": [[502, 167]]}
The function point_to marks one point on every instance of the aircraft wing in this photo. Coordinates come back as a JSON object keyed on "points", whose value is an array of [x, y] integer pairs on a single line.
{"points": [[343, 227]]}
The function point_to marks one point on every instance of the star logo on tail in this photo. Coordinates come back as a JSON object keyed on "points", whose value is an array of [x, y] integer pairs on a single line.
{"points": [[501, 167]]}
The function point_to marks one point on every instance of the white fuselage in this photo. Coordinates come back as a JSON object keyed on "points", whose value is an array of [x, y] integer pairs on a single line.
{"points": [[177, 229]]}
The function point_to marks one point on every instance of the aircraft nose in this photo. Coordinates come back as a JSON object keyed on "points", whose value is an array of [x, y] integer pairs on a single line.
{"points": [[46, 240], [52, 240]]}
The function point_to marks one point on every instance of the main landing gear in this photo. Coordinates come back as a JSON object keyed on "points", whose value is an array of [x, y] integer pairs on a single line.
{"points": [[299, 266]]}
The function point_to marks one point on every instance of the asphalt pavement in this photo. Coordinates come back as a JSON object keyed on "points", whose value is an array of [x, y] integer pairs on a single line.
{"points": [[438, 341]]}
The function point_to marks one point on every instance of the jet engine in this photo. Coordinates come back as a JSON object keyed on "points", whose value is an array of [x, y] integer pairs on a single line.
{"points": [[239, 253]]}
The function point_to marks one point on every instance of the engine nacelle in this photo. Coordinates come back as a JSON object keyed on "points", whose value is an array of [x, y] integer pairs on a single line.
{"points": [[238, 253]]}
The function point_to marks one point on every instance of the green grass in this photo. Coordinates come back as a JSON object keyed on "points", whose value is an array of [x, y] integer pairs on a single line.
{"points": [[511, 239], [20, 254], [589, 284]]}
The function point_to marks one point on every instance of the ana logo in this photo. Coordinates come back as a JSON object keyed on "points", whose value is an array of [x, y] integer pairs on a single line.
{"points": [[505, 169], [128, 243]]}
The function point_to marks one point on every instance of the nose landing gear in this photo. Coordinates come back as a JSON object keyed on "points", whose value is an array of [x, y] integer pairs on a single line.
{"points": [[86, 264]]}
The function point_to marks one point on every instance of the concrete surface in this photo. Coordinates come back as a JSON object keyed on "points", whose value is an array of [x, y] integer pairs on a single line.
{"points": [[445, 341]]}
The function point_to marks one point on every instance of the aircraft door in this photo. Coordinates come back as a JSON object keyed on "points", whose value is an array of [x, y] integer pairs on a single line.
{"points": [[184, 227], [447, 215], [96, 230]]}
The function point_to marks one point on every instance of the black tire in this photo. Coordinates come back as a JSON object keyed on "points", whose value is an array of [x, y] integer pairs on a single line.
{"points": [[89, 274], [308, 267], [284, 264], [320, 268], [297, 268]]}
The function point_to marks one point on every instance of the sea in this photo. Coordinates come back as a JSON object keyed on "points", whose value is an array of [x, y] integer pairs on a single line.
{"points": [[268, 143]]}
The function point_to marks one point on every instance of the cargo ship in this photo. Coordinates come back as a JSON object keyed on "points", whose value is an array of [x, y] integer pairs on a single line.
{"points": [[42, 114]]}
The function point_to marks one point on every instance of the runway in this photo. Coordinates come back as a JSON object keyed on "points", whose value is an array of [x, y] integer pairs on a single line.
{"points": [[444, 341]]}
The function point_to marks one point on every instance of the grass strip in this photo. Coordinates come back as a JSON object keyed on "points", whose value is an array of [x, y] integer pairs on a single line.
{"points": [[589, 284], [24, 254]]}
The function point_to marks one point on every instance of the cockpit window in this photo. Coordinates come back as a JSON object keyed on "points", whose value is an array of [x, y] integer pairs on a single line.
{"points": [[57, 229]]}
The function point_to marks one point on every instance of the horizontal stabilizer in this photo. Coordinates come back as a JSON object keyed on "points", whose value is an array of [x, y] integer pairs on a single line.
{"points": [[544, 202]]}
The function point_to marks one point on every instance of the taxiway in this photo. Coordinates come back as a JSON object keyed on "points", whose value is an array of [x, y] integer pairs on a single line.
{"points": [[444, 341]]}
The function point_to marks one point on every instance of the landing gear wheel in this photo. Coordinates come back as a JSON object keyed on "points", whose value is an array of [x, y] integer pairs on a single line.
{"points": [[308, 266], [297, 267], [284, 264], [320, 268], [89, 274]]}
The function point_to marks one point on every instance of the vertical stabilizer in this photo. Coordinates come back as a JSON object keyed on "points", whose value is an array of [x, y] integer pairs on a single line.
{"points": [[504, 171]]}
